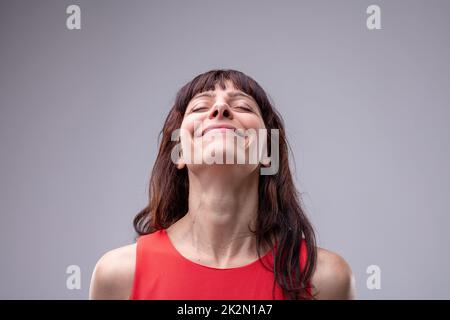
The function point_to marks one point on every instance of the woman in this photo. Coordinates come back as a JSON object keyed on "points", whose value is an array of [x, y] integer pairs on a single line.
{"points": [[215, 230]]}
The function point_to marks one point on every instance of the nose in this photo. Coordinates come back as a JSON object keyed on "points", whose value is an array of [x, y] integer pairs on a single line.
{"points": [[219, 111]]}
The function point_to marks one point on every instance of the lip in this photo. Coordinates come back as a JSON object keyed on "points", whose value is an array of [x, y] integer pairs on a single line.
{"points": [[218, 126]]}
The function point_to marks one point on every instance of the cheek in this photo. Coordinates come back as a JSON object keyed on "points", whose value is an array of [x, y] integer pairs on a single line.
{"points": [[193, 124], [189, 123], [188, 127], [253, 122]]}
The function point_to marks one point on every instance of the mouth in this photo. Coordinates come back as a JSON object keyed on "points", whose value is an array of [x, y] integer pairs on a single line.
{"points": [[220, 128]]}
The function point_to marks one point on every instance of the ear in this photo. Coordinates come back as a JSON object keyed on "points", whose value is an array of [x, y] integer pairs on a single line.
{"points": [[180, 164], [265, 162]]}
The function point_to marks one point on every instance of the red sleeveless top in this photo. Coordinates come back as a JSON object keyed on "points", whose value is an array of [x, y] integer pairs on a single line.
{"points": [[162, 273]]}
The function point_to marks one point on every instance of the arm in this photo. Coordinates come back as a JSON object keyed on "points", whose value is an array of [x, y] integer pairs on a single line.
{"points": [[112, 278], [333, 277]]}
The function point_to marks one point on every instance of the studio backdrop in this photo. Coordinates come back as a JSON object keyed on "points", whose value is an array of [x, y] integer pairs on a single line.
{"points": [[363, 88]]}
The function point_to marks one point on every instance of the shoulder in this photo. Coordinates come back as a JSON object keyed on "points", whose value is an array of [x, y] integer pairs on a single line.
{"points": [[333, 278], [113, 274]]}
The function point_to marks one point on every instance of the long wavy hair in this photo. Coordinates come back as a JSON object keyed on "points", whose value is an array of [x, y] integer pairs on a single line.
{"points": [[280, 215]]}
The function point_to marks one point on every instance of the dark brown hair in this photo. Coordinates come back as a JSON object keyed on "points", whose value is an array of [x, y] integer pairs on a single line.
{"points": [[280, 213]]}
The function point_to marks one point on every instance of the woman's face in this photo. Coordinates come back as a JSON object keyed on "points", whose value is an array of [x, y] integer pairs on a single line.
{"points": [[226, 110]]}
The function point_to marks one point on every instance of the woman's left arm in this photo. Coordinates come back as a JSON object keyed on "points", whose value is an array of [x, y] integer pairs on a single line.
{"points": [[333, 278]]}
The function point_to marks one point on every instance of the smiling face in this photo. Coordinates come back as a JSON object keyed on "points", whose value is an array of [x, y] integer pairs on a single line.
{"points": [[219, 114]]}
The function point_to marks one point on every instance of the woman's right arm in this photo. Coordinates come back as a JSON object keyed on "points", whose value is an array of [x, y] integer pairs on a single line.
{"points": [[112, 278]]}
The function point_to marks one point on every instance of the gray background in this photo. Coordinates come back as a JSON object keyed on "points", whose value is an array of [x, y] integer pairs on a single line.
{"points": [[366, 113]]}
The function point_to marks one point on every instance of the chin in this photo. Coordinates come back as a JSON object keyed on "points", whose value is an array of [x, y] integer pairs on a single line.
{"points": [[211, 150]]}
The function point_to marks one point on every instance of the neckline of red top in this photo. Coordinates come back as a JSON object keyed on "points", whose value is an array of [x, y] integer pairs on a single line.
{"points": [[248, 265]]}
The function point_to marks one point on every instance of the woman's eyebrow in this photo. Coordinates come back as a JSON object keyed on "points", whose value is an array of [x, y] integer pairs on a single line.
{"points": [[232, 94], [235, 94], [204, 94]]}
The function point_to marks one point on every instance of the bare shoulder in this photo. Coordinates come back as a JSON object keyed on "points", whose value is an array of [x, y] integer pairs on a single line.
{"points": [[113, 274], [333, 278]]}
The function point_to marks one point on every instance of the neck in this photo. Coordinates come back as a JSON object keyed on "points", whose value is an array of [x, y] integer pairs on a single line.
{"points": [[221, 210]]}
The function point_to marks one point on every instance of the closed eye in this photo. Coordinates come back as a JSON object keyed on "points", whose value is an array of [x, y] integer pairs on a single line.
{"points": [[198, 109], [244, 108]]}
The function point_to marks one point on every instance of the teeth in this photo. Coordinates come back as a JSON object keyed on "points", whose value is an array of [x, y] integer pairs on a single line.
{"points": [[239, 132]]}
